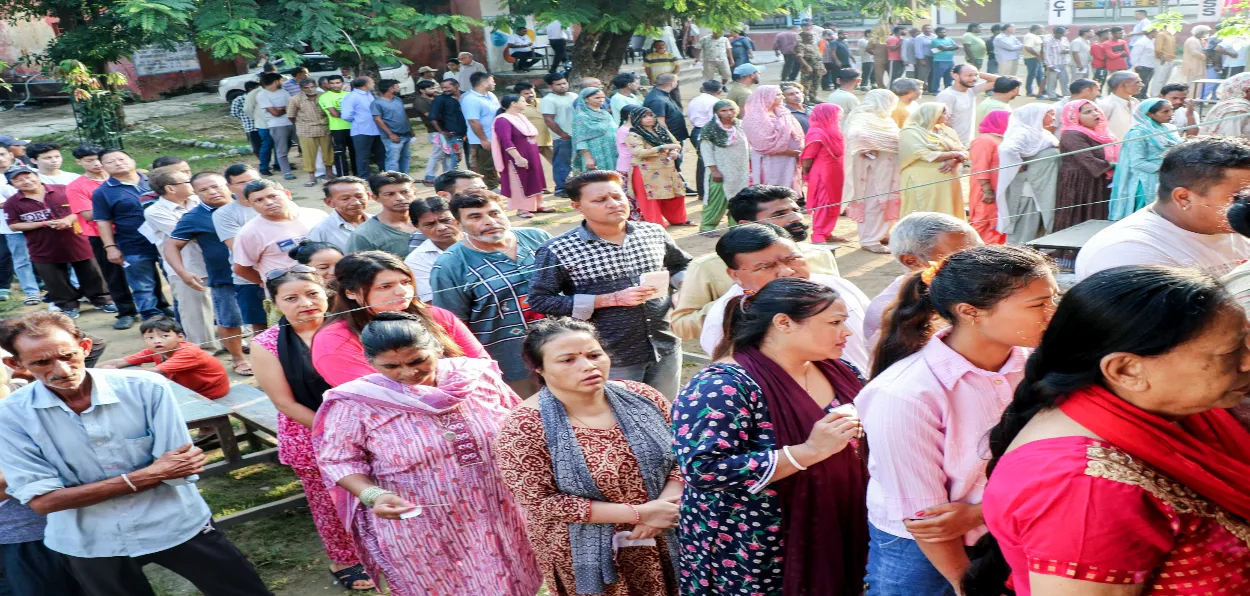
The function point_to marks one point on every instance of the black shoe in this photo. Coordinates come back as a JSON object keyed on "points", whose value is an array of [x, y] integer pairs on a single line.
{"points": [[124, 322], [266, 172], [690, 192]]}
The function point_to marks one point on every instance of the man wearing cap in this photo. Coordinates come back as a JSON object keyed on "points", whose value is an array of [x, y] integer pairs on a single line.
{"points": [[55, 241], [427, 73], [17, 147], [745, 77]]}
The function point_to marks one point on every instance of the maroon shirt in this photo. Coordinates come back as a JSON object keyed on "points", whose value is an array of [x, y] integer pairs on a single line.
{"points": [[47, 245]]}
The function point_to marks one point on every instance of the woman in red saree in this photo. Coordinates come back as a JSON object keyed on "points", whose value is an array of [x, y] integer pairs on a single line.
{"points": [[1117, 469], [824, 171]]}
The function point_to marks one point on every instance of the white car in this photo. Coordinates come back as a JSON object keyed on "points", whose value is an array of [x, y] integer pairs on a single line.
{"points": [[318, 65]]}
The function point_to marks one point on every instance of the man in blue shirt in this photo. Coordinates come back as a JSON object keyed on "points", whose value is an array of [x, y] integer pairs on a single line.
{"points": [[479, 106], [924, 58], [357, 108], [117, 207], [197, 226], [943, 50], [106, 456]]}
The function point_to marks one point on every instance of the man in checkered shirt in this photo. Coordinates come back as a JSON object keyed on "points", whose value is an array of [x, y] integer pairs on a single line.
{"points": [[592, 273], [249, 126]]}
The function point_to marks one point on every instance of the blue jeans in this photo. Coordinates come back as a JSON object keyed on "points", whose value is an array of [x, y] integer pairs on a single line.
{"points": [[397, 154], [438, 157], [896, 567], [14, 258], [941, 73], [32, 569], [561, 161], [141, 275], [251, 301], [1035, 72], [266, 151]]}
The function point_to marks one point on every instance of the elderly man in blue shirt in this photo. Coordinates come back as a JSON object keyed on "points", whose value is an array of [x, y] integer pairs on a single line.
{"points": [[357, 108], [106, 456]]}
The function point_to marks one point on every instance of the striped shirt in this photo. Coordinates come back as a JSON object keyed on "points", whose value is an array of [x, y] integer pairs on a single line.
{"points": [[490, 293]]}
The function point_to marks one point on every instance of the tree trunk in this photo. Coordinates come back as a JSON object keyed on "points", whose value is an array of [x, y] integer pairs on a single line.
{"points": [[598, 54]]}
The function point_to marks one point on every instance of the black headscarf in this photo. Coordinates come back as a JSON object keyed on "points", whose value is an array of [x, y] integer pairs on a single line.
{"points": [[655, 138]]}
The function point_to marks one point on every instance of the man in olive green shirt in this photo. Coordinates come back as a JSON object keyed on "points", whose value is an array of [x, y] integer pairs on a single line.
{"points": [[745, 77], [974, 46], [1005, 89], [340, 129]]}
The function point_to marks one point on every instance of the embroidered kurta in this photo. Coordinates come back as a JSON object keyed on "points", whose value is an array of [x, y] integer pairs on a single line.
{"points": [[1080, 508], [657, 170], [525, 465], [470, 538]]}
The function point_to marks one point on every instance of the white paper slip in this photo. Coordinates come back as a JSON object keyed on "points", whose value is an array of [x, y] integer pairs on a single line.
{"points": [[657, 280], [411, 514], [845, 409], [621, 540]]}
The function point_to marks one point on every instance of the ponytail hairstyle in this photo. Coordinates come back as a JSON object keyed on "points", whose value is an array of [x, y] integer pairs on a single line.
{"points": [[981, 277], [748, 318], [1117, 310], [396, 331], [355, 273]]}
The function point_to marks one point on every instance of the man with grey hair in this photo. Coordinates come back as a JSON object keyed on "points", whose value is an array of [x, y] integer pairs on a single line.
{"points": [[908, 91], [468, 66], [1120, 105], [917, 240]]}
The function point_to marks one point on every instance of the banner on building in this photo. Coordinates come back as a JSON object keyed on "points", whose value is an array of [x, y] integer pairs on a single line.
{"points": [[153, 60], [1060, 12]]}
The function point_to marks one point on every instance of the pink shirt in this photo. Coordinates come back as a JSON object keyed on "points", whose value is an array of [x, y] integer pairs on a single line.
{"points": [[338, 355], [926, 418], [624, 157], [263, 244], [79, 194]]}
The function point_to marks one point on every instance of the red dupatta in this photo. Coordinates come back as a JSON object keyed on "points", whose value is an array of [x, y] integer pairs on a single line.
{"points": [[1207, 452]]}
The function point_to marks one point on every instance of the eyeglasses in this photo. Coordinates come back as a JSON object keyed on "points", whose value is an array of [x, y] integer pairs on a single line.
{"points": [[276, 273]]}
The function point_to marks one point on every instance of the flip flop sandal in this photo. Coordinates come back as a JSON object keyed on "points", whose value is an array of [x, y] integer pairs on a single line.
{"points": [[349, 576], [545, 210], [243, 373], [525, 215]]}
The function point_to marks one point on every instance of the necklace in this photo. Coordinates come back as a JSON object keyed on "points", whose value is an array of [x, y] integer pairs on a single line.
{"points": [[803, 383], [579, 420]]}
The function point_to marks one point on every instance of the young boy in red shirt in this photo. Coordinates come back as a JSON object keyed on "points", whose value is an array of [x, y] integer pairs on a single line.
{"points": [[179, 360]]}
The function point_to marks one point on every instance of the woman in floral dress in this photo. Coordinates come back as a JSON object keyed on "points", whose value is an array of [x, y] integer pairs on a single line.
{"points": [[774, 503], [614, 436], [654, 179]]}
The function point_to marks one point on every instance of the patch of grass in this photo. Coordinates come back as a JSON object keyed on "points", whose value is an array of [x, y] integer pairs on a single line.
{"points": [[249, 487]]}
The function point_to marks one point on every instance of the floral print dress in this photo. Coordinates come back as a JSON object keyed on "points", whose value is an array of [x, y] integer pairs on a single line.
{"points": [[730, 521]]}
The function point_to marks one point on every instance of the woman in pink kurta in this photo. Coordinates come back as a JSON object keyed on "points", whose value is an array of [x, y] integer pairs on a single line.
{"points": [[625, 161], [517, 159], [416, 442], [776, 139], [382, 281], [823, 171]]}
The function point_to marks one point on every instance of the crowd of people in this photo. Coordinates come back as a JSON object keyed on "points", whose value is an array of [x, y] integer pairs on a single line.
{"points": [[477, 408]]}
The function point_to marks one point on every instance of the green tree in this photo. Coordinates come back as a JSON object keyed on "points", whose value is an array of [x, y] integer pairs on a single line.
{"points": [[608, 25]]}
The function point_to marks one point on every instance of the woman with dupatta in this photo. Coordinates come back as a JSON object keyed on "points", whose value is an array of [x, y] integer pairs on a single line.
{"points": [[872, 167], [1234, 103], [983, 185], [409, 458], [1136, 181], [594, 146], [591, 461], [824, 172], [727, 162], [517, 159], [929, 154], [1117, 467], [777, 506], [775, 137], [1084, 173], [656, 184], [1026, 192]]}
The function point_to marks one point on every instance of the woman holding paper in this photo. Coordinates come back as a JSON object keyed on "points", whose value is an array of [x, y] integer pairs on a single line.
{"points": [[407, 453], [765, 439], [592, 463]]}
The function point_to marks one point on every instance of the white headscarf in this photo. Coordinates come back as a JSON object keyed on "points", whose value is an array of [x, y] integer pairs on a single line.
{"points": [[1024, 138]]}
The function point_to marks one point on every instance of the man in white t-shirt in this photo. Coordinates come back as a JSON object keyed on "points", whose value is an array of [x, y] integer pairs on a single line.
{"points": [[1187, 226], [961, 99], [271, 102], [758, 254], [521, 49], [262, 244], [47, 158]]}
